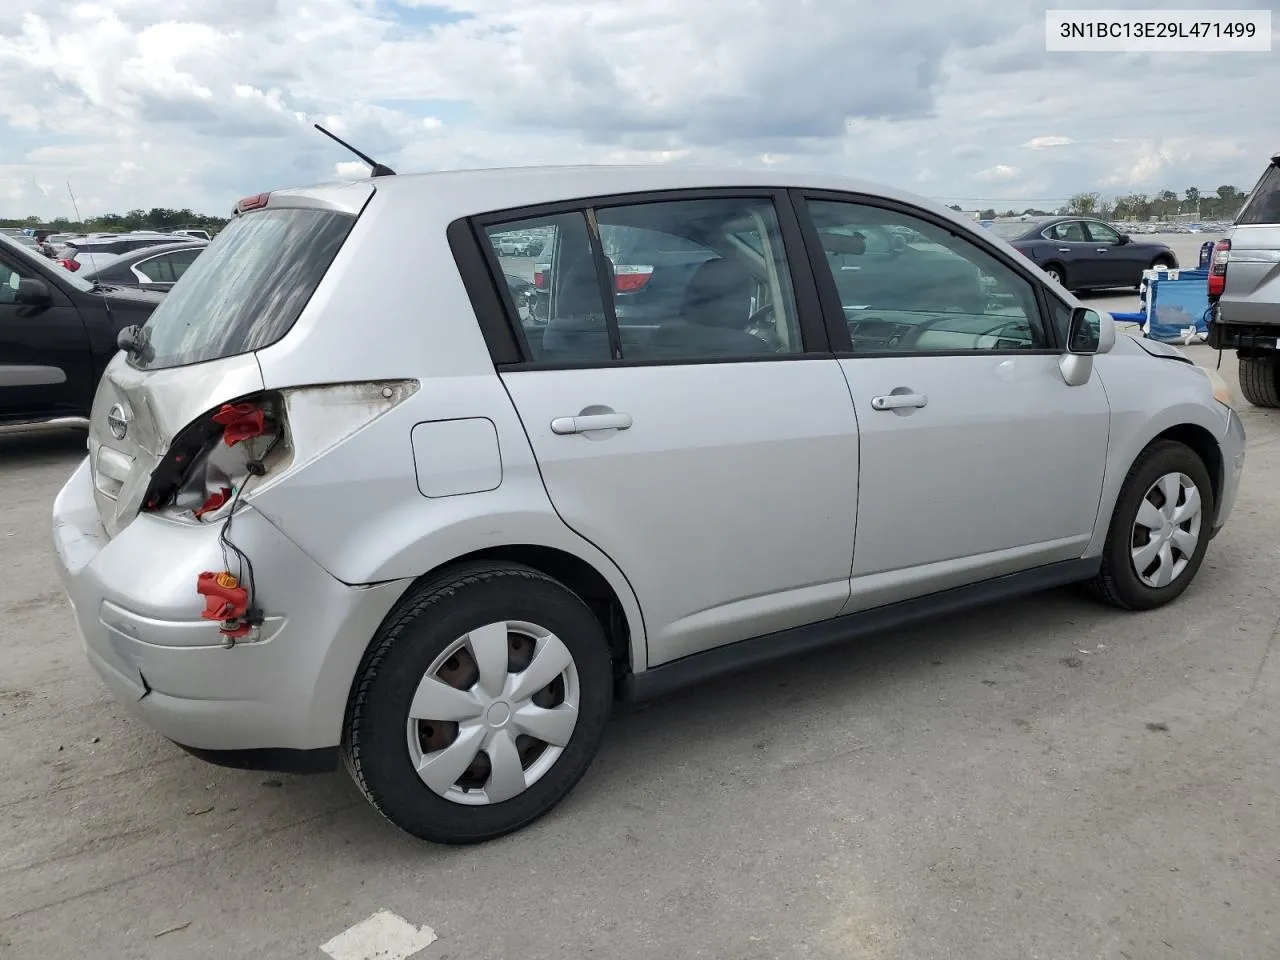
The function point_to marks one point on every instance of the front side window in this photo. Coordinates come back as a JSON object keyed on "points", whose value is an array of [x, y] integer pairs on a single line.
{"points": [[940, 294], [10, 277], [687, 280]]}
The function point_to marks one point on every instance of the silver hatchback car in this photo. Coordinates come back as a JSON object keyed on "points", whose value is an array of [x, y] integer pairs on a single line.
{"points": [[333, 508]]}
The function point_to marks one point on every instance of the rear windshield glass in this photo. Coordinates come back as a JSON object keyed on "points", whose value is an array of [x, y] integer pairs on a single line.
{"points": [[247, 288], [1263, 205]]}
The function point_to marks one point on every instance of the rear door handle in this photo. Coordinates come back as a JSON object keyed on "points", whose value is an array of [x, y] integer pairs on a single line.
{"points": [[1064, 249], [896, 401], [1103, 249], [596, 421]]}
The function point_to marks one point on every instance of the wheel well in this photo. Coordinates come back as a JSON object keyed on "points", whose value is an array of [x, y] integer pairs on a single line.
{"points": [[580, 577], [1202, 442], [1162, 258]]}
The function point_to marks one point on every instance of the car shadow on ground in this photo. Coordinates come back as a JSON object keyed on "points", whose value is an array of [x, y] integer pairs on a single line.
{"points": [[656, 742]]}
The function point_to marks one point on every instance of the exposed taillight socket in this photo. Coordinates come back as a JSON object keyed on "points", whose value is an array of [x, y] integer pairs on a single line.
{"points": [[232, 422]]}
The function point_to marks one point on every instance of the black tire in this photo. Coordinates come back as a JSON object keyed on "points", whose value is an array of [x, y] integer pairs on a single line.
{"points": [[432, 617], [1060, 270], [1260, 381], [1117, 583]]}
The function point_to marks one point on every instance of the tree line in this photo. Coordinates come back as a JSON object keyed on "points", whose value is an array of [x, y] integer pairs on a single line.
{"points": [[157, 218], [1223, 204]]}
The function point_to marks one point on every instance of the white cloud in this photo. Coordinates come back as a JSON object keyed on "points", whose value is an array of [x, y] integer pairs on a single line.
{"points": [[144, 103], [1046, 143], [1000, 173]]}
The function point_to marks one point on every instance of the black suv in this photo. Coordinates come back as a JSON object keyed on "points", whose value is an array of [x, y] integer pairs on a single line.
{"points": [[57, 333]]}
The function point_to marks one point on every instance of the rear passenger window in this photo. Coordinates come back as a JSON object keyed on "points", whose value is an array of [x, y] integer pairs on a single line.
{"points": [[688, 280], [1263, 205], [550, 271], [700, 280]]}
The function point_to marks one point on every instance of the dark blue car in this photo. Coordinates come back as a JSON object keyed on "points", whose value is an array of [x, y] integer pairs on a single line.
{"points": [[1083, 253]]}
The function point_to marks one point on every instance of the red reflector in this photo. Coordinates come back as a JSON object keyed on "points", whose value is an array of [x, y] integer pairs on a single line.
{"points": [[253, 202], [630, 278], [540, 274]]}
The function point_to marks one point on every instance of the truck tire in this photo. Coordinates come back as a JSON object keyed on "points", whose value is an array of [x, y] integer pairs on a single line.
{"points": [[1260, 381]]}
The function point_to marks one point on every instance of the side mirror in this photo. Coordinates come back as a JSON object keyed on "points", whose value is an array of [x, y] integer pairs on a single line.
{"points": [[1125, 238], [1084, 338], [33, 293]]}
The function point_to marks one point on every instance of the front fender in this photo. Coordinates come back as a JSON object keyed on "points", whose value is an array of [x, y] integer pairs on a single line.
{"points": [[1148, 396]]}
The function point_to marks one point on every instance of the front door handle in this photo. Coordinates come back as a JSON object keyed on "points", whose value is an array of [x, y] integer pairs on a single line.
{"points": [[564, 426], [897, 401], [1103, 249]]}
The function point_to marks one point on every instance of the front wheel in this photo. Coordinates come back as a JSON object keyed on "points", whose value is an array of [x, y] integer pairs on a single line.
{"points": [[480, 704], [1159, 531]]}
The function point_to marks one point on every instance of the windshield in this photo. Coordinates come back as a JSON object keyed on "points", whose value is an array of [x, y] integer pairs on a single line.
{"points": [[246, 290], [1012, 229], [42, 263]]}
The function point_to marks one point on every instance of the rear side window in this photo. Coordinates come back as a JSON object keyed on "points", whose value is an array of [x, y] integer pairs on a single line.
{"points": [[1263, 205], [677, 281], [247, 288]]}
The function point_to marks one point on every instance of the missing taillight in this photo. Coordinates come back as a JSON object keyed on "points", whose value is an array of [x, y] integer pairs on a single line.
{"points": [[217, 451]]}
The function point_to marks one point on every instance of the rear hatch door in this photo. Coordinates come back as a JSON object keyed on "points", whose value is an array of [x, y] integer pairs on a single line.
{"points": [[197, 350]]}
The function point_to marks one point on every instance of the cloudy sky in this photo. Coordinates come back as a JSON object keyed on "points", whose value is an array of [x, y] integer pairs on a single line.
{"points": [[194, 103]]}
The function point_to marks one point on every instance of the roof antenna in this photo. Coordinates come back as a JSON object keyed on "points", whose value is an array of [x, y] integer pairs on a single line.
{"points": [[379, 170]]}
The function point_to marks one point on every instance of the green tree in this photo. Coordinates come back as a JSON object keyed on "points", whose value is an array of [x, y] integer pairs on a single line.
{"points": [[1084, 204]]}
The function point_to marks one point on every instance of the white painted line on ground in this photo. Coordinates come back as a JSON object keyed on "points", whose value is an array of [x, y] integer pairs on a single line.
{"points": [[384, 936]]}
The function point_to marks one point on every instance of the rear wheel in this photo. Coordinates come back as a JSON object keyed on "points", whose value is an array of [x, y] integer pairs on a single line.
{"points": [[1057, 274], [1260, 380], [480, 705], [1159, 531]]}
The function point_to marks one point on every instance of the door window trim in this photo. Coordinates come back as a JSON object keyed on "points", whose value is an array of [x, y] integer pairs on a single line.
{"points": [[829, 295], [483, 277]]}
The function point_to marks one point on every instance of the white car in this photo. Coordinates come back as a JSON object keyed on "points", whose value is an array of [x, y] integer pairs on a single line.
{"points": [[333, 507]]}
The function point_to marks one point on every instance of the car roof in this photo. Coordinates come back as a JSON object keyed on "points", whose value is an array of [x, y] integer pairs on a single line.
{"points": [[458, 193]]}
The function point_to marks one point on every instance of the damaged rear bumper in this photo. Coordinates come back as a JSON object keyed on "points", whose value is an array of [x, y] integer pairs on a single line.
{"points": [[138, 613]]}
